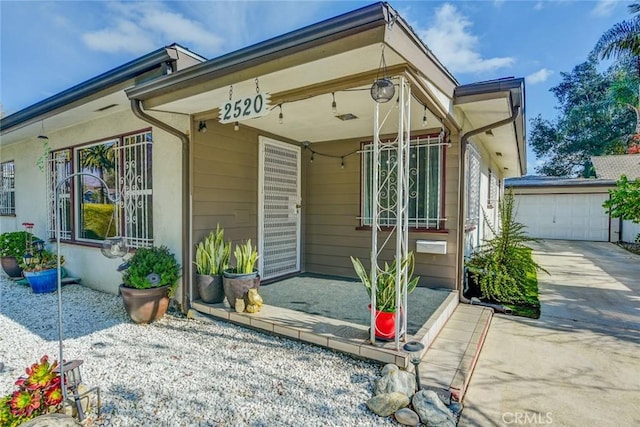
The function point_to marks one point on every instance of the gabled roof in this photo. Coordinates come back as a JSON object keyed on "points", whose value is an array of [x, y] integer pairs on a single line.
{"points": [[614, 166], [165, 60]]}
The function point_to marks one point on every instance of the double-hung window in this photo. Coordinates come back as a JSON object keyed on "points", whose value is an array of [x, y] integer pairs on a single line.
{"points": [[425, 186], [7, 188], [90, 212]]}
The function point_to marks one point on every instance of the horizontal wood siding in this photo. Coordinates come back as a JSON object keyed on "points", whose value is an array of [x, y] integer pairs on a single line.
{"points": [[331, 208]]}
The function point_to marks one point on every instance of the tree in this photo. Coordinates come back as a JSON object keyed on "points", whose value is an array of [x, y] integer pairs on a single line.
{"points": [[588, 122], [99, 158], [624, 200], [623, 41]]}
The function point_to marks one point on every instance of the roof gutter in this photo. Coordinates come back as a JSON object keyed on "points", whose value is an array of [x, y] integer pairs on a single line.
{"points": [[136, 107], [300, 40], [515, 112], [118, 75]]}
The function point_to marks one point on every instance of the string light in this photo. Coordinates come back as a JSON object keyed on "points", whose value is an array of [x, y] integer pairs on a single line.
{"points": [[342, 162], [312, 153], [424, 117], [280, 116], [334, 106], [236, 126]]}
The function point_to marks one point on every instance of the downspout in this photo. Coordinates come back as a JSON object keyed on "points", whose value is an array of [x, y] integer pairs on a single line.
{"points": [[515, 112], [136, 107]]}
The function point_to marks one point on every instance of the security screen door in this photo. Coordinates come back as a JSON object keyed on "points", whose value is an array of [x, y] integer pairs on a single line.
{"points": [[279, 209]]}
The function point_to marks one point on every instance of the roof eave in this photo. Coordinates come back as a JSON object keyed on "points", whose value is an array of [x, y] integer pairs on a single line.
{"points": [[92, 86], [360, 20], [512, 87]]}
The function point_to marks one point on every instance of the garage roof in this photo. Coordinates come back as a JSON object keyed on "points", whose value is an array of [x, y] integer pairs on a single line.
{"points": [[555, 181]]}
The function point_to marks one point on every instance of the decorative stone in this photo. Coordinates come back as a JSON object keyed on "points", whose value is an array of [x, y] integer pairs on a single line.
{"points": [[389, 367], [431, 410], [407, 417], [70, 407], [252, 308], [396, 380], [387, 403], [239, 305], [52, 420]]}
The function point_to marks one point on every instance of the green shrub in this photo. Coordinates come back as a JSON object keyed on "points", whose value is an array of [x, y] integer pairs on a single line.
{"points": [[96, 219], [14, 243], [501, 264], [155, 260]]}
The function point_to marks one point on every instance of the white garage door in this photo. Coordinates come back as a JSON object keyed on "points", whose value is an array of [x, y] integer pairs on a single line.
{"points": [[564, 216]]}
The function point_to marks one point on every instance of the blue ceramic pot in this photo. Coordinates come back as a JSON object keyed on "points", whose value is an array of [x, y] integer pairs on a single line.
{"points": [[42, 281]]}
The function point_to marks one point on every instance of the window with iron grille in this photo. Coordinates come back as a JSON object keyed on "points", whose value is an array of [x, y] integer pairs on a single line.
{"points": [[88, 211], [472, 185], [426, 164], [7, 188], [492, 194]]}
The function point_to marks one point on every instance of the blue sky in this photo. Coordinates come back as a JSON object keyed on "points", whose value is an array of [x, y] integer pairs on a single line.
{"points": [[46, 47]]}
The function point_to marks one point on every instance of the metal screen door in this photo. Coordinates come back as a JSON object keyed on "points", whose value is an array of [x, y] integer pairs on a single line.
{"points": [[279, 209]]}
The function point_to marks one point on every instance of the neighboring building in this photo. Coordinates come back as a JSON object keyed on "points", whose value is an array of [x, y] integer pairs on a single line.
{"points": [[564, 208], [293, 175], [613, 167]]}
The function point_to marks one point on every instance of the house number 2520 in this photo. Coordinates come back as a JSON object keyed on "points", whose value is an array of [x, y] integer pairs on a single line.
{"points": [[244, 108]]}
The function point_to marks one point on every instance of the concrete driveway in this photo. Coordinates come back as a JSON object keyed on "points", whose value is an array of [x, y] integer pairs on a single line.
{"points": [[579, 364]]}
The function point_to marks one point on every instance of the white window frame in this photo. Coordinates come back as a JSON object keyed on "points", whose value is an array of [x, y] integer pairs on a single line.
{"points": [[8, 188], [420, 184], [133, 219]]}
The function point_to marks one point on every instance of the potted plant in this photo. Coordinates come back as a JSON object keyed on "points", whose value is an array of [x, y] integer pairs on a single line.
{"points": [[385, 309], [150, 279], [212, 259], [12, 247], [244, 276], [41, 271]]}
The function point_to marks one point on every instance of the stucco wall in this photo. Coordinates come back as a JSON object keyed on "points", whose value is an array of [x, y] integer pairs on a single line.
{"points": [[95, 270]]}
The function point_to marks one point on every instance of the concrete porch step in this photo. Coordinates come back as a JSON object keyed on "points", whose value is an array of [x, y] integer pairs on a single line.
{"points": [[448, 363]]}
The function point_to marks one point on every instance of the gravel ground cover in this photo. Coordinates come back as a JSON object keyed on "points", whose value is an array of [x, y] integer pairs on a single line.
{"points": [[181, 372]]}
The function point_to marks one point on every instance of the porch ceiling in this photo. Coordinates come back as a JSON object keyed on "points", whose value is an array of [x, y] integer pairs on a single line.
{"points": [[305, 92]]}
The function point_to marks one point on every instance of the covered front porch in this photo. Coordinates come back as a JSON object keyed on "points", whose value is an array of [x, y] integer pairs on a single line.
{"points": [[331, 312]]}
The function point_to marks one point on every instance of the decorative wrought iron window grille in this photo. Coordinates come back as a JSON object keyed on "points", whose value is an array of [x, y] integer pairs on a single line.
{"points": [[7, 188], [131, 168], [426, 162]]}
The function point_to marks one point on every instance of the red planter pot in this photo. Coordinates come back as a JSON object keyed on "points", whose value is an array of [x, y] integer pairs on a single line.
{"points": [[385, 325]]}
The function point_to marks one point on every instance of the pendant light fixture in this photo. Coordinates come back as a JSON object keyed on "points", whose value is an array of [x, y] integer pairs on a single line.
{"points": [[42, 135], [383, 89]]}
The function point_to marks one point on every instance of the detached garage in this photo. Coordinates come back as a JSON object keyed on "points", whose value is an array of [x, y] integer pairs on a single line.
{"points": [[564, 208]]}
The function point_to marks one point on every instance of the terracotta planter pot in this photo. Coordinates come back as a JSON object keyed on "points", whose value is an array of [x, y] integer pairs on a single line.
{"points": [[42, 281], [145, 305], [236, 285], [210, 288], [385, 325], [11, 267]]}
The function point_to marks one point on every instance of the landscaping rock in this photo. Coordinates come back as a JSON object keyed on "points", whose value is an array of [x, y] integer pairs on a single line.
{"points": [[52, 420], [387, 403], [389, 367], [431, 410], [395, 380], [407, 417]]}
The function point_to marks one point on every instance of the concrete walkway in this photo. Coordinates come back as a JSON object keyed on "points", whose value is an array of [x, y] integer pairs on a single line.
{"points": [[579, 364]]}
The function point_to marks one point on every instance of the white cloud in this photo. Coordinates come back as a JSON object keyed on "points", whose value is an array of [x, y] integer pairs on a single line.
{"points": [[604, 7], [453, 43], [138, 28], [539, 76]]}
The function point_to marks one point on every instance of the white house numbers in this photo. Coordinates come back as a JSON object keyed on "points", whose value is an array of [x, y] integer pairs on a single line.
{"points": [[244, 108]]}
